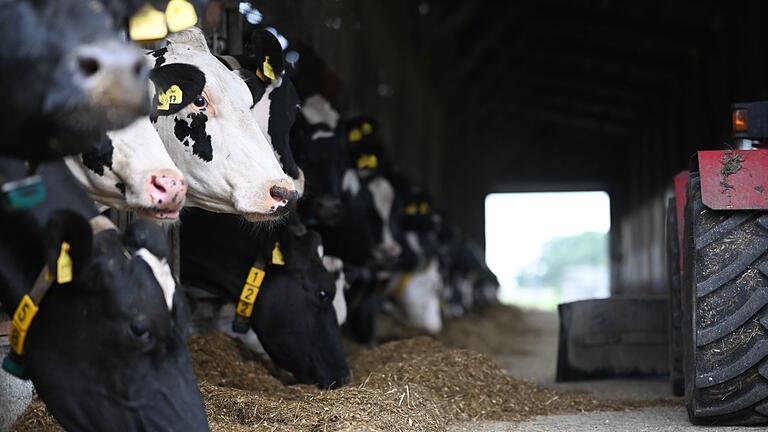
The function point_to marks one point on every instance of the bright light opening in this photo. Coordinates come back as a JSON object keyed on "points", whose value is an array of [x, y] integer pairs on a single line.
{"points": [[548, 248]]}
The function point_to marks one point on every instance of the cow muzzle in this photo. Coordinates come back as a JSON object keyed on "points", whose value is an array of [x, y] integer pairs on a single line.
{"points": [[113, 77], [166, 191]]}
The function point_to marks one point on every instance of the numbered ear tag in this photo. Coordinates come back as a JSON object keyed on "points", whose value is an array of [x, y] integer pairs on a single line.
{"points": [[355, 135], [147, 24], [173, 96], [277, 255], [64, 265], [267, 66], [180, 15], [411, 209], [367, 128], [424, 208], [367, 161]]}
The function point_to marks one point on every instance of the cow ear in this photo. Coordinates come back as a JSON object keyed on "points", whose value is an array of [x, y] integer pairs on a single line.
{"points": [[255, 85], [68, 245], [176, 86], [268, 55]]}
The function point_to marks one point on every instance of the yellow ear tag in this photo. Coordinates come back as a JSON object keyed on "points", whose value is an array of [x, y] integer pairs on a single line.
{"points": [[64, 265], [147, 24], [22, 319], [367, 128], [260, 75], [171, 96], [367, 161], [277, 255], [180, 15], [268, 71], [411, 209], [355, 135], [424, 208]]}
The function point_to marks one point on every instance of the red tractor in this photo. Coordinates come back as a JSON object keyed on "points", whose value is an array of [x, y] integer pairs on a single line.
{"points": [[717, 239]]}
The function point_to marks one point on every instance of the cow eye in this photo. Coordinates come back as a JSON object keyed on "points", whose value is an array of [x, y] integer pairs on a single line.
{"points": [[323, 295], [200, 102]]}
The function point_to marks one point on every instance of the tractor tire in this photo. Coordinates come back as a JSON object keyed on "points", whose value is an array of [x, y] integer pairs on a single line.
{"points": [[675, 308], [725, 318]]}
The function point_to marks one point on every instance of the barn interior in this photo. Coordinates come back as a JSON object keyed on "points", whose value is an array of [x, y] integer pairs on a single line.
{"points": [[473, 98], [556, 95]]}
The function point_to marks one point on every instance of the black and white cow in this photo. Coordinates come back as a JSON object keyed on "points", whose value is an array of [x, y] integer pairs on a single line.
{"points": [[106, 349], [469, 283], [293, 314], [275, 101], [370, 160], [203, 115], [65, 76], [129, 169], [417, 286]]}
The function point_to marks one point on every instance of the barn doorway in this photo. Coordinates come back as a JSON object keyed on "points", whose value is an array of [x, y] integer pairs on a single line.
{"points": [[548, 247]]}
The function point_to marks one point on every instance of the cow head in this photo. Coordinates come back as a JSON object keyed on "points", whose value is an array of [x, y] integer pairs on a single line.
{"points": [[275, 100], [294, 315], [323, 159], [203, 117], [130, 170], [65, 76], [107, 350]]}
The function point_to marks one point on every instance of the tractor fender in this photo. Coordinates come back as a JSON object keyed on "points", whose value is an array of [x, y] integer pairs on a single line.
{"points": [[734, 179]]}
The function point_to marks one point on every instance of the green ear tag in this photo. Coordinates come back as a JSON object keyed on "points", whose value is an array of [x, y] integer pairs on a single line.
{"points": [[23, 194]]}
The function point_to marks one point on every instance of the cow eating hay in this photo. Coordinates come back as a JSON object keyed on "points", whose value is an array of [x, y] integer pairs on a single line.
{"points": [[415, 384]]}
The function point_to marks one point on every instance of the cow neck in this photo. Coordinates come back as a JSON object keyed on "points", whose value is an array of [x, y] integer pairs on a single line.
{"points": [[30, 304], [248, 295]]}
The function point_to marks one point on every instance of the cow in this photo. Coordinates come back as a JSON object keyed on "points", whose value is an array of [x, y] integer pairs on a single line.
{"points": [[275, 100], [129, 169], [417, 286], [370, 160], [66, 78], [202, 112], [469, 283], [106, 348], [336, 205], [293, 312]]}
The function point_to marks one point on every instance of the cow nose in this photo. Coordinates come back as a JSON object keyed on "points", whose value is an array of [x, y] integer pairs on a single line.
{"points": [[166, 191], [282, 196], [114, 76], [392, 250], [110, 58]]}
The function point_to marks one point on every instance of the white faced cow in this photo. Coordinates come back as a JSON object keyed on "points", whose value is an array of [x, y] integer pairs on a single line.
{"points": [[131, 170], [204, 119]]}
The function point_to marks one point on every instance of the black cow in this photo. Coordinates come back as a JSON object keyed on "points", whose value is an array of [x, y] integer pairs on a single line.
{"points": [[293, 314], [106, 350], [65, 77]]}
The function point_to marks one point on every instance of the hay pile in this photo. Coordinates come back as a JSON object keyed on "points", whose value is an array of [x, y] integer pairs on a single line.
{"points": [[488, 332], [416, 385]]}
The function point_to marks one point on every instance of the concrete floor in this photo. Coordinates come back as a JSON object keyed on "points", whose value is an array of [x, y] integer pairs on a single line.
{"points": [[15, 394], [538, 365]]}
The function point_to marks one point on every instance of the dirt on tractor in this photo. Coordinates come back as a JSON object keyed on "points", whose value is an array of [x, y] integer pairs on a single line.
{"points": [[416, 384]]}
